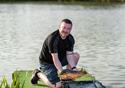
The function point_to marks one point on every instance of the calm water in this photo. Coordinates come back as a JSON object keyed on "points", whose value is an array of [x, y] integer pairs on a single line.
{"points": [[99, 32]]}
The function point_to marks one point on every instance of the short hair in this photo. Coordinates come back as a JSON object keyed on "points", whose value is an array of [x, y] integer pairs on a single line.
{"points": [[67, 21]]}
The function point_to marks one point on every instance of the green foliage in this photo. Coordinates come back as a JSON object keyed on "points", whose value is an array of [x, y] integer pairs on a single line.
{"points": [[15, 82], [4, 83], [22, 79]]}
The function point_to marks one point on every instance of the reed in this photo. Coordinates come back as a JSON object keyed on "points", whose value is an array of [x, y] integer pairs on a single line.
{"points": [[4, 83], [15, 82]]}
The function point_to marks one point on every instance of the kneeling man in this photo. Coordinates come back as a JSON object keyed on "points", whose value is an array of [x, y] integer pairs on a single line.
{"points": [[57, 51]]}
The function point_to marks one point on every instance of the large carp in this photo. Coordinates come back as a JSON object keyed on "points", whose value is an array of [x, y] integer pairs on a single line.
{"points": [[72, 74]]}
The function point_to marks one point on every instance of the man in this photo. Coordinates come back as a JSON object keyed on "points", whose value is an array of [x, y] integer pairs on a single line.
{"points": [[57, 51]]}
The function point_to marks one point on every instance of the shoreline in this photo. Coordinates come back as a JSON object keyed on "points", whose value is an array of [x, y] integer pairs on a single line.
{"points": [[84, 3], [61, 2]]}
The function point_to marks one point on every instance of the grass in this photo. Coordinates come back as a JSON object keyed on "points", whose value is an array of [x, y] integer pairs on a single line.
{"points": [[26, 75], [15, 82], [21, 79], [4, 83], [24, 78]]}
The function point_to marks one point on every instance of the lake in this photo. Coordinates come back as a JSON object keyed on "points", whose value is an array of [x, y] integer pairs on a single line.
{"points": [[99, 31]]}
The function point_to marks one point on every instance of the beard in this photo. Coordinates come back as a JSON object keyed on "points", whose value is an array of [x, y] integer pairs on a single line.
{"points": [[64, 35]]}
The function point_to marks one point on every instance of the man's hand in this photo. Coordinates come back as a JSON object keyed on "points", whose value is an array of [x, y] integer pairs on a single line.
{"points": [[61, 72], [65, 71]]}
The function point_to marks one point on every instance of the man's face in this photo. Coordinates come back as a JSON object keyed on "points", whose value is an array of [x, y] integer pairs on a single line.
{"points": [[65, 29]]}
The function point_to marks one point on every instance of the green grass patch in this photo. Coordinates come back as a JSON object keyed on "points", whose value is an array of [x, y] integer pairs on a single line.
{"points": [[22, 78]]}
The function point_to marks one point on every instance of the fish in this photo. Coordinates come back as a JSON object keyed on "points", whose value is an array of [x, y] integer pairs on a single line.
{"points": [[68, 74]]}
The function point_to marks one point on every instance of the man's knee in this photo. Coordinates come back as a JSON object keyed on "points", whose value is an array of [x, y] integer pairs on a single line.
{"points": [[58, 85], [77, 55]]}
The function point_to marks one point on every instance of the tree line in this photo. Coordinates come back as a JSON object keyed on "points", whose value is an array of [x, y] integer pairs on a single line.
{"points": [[65, 0]]}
